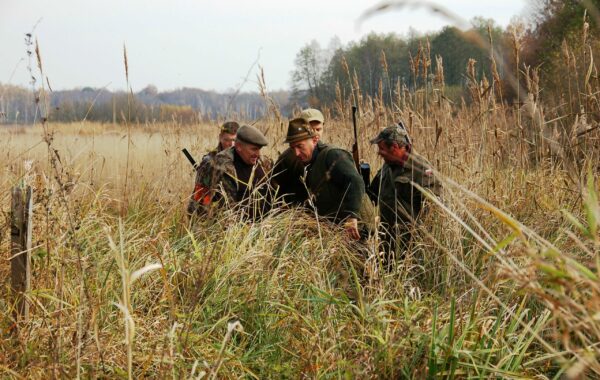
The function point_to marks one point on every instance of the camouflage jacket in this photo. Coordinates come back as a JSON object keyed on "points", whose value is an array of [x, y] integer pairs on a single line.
{"points": [[393, 189], [200, 195]]}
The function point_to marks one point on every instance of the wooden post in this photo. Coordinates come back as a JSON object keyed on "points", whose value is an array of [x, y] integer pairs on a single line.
{"points": [[20, 252]]}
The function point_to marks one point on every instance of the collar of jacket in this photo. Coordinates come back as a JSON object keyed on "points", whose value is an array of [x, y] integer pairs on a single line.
{"points": [[225, 162], [318, 148]]}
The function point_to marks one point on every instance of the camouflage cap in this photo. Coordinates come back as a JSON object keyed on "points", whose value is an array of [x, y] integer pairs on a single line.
{"points": [[311, 114], [230, 127], [298, 130], [394, 133], [251, 135]]}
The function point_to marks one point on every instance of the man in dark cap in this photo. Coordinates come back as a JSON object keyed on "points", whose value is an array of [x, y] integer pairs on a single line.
{"points": [[289, 169], [393, 188], [235, 173], [336, 188], [200, 196]]}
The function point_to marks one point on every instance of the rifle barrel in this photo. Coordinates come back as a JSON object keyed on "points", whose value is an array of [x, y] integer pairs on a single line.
{"points": [[189, 157], [355, 153], [354, 110]]}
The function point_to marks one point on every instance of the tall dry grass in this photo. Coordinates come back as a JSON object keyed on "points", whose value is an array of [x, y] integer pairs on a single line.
{"points": [[501, 280]]}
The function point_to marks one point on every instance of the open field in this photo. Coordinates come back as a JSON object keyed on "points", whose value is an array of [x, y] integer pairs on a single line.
{"points": [[98, 154]]}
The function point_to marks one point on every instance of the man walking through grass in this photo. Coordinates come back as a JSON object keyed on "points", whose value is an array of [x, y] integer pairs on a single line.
{"points": [[200, 196], [289, 170], [237, 176], [394, 189], [335, 187]]}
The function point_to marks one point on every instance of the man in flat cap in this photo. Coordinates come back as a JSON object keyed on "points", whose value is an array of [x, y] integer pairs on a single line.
{"points": [[336, 188], [289, 169], [200, 196], [236, 173], [393, 188]]}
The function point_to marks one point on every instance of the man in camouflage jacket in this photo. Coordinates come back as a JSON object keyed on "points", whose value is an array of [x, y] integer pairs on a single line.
{"points": [[200, 196]]}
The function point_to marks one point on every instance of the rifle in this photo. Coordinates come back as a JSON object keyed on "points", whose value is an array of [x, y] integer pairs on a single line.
{"points": [[363, 167], [190, 158]]}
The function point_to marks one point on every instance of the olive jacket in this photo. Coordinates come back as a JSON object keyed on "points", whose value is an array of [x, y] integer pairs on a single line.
{"points": [[336, 187], [393, 189], [287, 178]]}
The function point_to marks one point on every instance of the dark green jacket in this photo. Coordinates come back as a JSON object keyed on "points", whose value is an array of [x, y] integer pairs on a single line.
{"points": [[334, 183], [287, 174], [392, 188]]}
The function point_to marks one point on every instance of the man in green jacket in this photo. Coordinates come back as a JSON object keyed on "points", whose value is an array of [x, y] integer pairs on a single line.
{"points": [[335, 187], [288, 169], [393, 188]]}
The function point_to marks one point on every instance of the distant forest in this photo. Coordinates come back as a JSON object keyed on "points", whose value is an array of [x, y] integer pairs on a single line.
{"points": [[534, 49], [18, 105], [380, 65]]}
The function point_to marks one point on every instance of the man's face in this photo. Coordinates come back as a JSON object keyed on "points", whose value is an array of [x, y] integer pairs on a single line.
{"points": [[248, 152], [227, 140], [394, 154], [317, 128], [304, 149]]}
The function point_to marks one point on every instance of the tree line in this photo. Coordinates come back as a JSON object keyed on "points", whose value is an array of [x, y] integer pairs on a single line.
{"points": [[19, 105], [533, 50], [381, 65]]}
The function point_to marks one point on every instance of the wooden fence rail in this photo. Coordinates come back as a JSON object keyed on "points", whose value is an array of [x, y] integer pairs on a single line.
{"points": [[20, 250]]}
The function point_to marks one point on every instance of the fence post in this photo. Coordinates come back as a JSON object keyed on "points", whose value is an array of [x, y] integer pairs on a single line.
{"points": [[20, 252]]}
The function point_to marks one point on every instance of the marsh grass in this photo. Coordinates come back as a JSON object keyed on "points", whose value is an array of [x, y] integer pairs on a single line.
{"points": [[500, 281], [308, 305]]}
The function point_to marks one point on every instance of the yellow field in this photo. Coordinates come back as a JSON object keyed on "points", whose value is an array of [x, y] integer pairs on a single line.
{"points": [[98, 154]]}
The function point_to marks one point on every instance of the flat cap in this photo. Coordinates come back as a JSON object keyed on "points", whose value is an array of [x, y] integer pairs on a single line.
{"points": [[298, 130], [311, 114], [251, 135], [394, 133], [230, 127]]}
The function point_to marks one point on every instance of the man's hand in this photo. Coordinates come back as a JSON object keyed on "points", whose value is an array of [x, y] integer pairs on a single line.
{"points": [[351, 227]]}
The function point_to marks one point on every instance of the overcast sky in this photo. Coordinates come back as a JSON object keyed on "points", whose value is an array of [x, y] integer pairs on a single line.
{"points": [[197, 43]]}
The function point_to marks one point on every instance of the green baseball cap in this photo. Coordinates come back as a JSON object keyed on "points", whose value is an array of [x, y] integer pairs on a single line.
{"points": [[394, 133], [298, 130], [311, 114]]}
